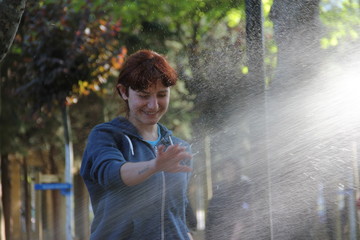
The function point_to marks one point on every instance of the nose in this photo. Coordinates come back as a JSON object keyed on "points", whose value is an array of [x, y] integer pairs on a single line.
{"points": [[153, 103]]}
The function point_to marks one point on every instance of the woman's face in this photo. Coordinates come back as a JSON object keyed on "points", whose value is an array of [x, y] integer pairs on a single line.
{"points": [[146, 107]]}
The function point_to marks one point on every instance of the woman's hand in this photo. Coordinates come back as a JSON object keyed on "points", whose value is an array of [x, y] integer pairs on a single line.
{"points": [[171, 159]]}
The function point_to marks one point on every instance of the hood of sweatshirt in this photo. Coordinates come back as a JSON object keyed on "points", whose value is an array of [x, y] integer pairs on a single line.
{"points": [[127, 128]]}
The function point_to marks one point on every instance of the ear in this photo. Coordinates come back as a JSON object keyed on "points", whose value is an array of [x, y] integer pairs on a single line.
{"points": [[122, 91]]}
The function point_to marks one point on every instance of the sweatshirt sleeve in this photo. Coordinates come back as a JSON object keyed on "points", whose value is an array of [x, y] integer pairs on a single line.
{"points": [[102, 159]]}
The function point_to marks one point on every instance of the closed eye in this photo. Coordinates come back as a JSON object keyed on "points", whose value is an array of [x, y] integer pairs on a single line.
{"points": [[143, 96]]}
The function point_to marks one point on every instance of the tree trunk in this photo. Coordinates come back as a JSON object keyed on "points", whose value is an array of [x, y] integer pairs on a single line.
{"points": [[2, 200], [6, 197], [294, 134], [27, 199], [56, 198], [11, 200], [297, 32], [10, 16], [255, 46]]}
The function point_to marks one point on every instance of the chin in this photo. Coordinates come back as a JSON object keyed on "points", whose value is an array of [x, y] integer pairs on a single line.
{"points": [[153, 119], [150, 121]]}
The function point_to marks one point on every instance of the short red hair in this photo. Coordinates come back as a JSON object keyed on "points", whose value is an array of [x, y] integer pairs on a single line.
{"points": [[144, 68]]}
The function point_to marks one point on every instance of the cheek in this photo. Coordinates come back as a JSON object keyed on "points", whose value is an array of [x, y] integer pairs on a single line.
{"points": [[164, 102], [135, 104]]}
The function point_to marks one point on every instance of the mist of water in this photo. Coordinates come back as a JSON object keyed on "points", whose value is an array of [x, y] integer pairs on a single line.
{"points": [[299, 149]]}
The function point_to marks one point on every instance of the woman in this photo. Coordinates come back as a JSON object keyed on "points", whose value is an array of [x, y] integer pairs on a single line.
{"points": [[136, 172]]}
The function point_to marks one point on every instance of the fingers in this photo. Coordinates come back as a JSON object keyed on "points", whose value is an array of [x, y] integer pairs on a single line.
{"points": [[174, 151], [183, 168], [179, 169], [170, 159], [161, 149]]}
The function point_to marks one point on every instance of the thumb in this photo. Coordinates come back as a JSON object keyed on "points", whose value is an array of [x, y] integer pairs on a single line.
{"points": [[183, 168]]}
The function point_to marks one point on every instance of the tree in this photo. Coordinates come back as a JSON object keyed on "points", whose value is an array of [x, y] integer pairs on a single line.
{"points": [[205, 40], [10, 12], [304, 137], [10, 15], [340, 23], [64, 54], [297, 32]]}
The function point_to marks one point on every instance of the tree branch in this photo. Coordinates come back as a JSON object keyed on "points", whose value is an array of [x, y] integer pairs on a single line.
{"points": [[10, 16]]}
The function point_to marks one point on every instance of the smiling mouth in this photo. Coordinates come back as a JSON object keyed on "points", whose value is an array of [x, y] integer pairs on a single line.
{"points": [[150, 113]]}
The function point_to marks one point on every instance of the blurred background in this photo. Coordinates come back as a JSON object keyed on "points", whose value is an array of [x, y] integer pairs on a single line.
{"points": [[268, 96]]}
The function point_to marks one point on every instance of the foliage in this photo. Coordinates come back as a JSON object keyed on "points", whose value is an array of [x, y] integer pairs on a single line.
{"points": [[58, 55], [10, 15], [194, 35], [342, 20], [204, 39], [271, 49], [68, 55]]}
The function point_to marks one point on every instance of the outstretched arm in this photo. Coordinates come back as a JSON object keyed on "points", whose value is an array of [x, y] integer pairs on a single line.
{"points": [[168, 160]]}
